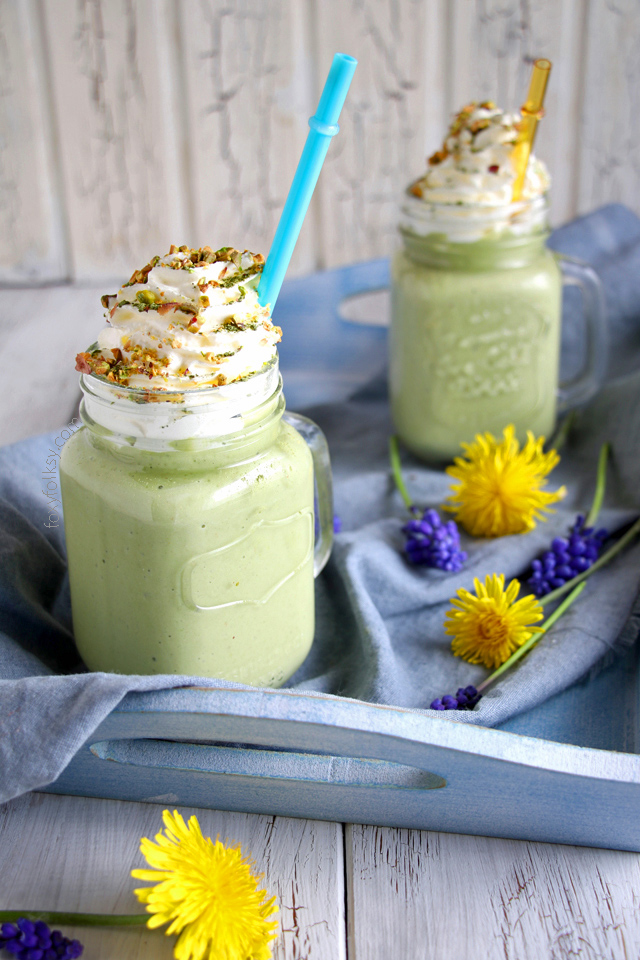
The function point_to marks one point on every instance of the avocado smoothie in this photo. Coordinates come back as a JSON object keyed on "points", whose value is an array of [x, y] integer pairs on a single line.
{"points": [[476, 295], [188, 500]]}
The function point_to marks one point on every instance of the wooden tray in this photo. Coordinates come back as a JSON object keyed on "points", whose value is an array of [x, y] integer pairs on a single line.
{"points": [[287, 754], [565, 772]]}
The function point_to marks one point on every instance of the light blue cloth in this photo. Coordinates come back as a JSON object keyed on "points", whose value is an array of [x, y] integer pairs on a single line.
{"points": [[379, 630]]}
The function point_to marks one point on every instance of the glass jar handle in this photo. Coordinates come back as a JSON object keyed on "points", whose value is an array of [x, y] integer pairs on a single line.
{"points": [[323, 487], [582, 387]]}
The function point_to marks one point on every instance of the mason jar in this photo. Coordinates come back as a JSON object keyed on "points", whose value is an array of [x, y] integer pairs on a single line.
{"points": [[475, 325], [191, 532]]}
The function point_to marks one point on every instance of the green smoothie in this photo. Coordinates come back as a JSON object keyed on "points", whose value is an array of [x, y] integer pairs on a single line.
{"points": [[476, 296], [474, 340], [192, 561], [188, 500]]}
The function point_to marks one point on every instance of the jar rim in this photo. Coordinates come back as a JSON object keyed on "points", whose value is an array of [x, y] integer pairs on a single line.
{"points": [[168, 416]]}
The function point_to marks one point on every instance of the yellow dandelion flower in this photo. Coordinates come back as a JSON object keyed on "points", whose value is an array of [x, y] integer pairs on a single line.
{"points": [[207, 893], [488, 627], [499, 485]]}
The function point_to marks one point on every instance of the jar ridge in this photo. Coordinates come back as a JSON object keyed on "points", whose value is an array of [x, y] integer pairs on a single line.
{"points": [[163, 420]]}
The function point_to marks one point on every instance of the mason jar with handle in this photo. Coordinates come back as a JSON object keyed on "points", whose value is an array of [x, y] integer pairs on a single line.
{"points": [[191, 532], [475, 325]]}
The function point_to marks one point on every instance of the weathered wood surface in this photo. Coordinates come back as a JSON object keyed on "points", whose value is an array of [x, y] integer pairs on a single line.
{"points": [[126, 125], [382, 144], [249, 88], [113, 82], [41, 331], [409, 895], [425, 896], [494, 44], [177, 123], [610, 135], [75, 854], [32, 241]]}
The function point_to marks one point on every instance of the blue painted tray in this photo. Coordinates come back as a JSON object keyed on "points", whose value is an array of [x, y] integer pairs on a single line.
{"points": [[566, 772]]}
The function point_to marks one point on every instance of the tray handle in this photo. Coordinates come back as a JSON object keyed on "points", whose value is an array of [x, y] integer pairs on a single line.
{"points": [[252, 761]]}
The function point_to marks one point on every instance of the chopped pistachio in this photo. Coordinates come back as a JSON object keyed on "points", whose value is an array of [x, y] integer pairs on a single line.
{"points": [[147, 296]]}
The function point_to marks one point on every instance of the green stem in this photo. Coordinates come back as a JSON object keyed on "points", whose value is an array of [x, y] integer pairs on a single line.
{"points": [[533, 639], [558, 440], [396, 469], [76, 919], [575, 586], [600, 562], [601, 478]]}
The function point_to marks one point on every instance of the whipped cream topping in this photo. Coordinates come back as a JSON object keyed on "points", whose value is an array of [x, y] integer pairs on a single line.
{"points": [[475, 164], [188, 320]]}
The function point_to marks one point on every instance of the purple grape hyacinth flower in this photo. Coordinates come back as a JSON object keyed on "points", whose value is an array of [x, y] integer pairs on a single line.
{"points": [[465, 699], [567, 558], [432, 543], [33, 940]]}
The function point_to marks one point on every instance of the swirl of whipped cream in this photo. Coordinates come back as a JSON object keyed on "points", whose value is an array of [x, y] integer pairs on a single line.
{"points": [[475, 165], [190, 319]]}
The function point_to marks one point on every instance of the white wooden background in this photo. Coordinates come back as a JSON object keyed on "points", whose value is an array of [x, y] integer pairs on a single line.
{"points": [[126, 125]]}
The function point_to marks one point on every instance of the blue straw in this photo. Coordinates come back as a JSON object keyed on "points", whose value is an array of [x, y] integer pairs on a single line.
{"points": [[324, 126]]}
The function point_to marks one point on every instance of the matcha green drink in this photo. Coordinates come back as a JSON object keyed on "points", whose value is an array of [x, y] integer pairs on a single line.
{"points": [[475, 334], [188, 500]]}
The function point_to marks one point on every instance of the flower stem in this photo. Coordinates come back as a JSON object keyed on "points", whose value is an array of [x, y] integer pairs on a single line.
{"points": [[76, 919], [396, 469], [558, 440], [548, 623], [601, 478], [600, 562]]}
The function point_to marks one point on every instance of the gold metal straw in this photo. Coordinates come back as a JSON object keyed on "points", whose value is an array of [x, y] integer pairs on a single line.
{"points": [[532, 111]]}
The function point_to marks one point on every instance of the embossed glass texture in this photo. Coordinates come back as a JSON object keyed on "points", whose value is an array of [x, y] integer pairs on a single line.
{"points": [[475, 326], [195, 555]]}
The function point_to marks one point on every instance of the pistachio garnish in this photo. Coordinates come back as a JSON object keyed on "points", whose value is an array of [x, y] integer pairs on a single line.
{"points": [[147, 296], [180, 324]]}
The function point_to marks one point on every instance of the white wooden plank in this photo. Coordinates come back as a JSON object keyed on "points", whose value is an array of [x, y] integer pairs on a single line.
{"points": [[249, 94], [75, 854], [32, 243], [610, 141], [436, 80], [493, 43], [178, 121], [40, 333], [383, 136], [113, 72], [430, 895]]}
